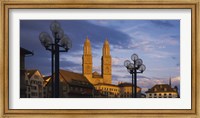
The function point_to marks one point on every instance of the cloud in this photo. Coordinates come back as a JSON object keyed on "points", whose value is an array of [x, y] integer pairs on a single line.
{"points": [[173, 57], [134, 28], [100, 22], [116, 61], [158, 69], [162, 23], [160, 54], [156, 46], [97, 69], [43, 64], [176, 81], [77, 30], [147, 82]]}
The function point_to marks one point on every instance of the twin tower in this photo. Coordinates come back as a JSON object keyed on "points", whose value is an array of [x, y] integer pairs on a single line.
{"points": [[106, 64]]}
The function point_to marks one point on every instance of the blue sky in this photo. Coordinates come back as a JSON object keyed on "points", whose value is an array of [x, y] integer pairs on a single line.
{"points": [[157, 43]]}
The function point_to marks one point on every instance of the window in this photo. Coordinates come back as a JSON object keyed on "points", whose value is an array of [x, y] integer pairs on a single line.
{"points": [[50, 88], [165, 89], [170, 95], [33, 94], [81, 89], [33, 87], [26, 82], [36, 77], [71, 88], [64, 88], [165, 95], [40, 94], [75, 88]]}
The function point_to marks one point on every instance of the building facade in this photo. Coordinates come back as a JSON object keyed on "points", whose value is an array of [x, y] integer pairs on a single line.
{"points": [[126, 90], [106, 64], [103, 82], [23, 54], [34, 84], [162, 91], [46, 84], [107, 90], [71, 85]]}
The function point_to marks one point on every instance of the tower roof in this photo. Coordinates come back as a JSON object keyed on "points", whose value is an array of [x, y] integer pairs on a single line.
{"points": [[106, 48], [87, 47], [106, 42], [87, 40]]}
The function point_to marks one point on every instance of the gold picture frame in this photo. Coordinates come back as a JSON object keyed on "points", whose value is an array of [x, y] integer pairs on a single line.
{"points": [[107, 4]]}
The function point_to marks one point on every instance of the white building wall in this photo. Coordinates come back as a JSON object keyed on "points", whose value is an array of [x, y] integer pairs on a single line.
{"points": [[162, 95]]}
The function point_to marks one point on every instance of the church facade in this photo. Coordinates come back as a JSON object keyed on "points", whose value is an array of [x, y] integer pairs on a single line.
{"points": [[106, 64]]}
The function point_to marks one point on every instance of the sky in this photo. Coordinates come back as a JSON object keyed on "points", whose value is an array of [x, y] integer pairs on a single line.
{"points": [[156, 42]]}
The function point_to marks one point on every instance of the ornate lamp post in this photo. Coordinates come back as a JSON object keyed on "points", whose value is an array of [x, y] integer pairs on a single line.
{"points": [[61, 43], [133, 68]]}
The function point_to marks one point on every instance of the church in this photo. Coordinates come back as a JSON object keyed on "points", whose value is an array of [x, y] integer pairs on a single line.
{"points": [[106, 64]]}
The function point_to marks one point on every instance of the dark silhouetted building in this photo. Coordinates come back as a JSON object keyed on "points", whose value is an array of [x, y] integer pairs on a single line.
{"points": [[23, 54]]}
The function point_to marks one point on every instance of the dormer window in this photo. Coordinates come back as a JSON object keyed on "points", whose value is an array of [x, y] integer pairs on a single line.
{"points": [[165, 89], [155, 89]]}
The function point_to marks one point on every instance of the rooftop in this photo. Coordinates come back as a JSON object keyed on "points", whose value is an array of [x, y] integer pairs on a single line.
{"points": [[30, 73], [126, 85], [161, 88], [106, 84], [96, 74], [76, 79], [25, 51]]}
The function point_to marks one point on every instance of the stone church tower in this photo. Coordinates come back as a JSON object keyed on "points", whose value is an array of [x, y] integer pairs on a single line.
{"points": [[106, 61], [106, 64], [87, 59]]}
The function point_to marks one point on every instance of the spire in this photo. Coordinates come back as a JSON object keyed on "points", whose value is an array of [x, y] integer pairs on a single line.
{"points": [[87, 41], [106, 48], [87, 46], [106, 42], [170, 82]]}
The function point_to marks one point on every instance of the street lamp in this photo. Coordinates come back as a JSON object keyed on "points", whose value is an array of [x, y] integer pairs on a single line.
{"points": [[133, 68], [62, 43]]}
